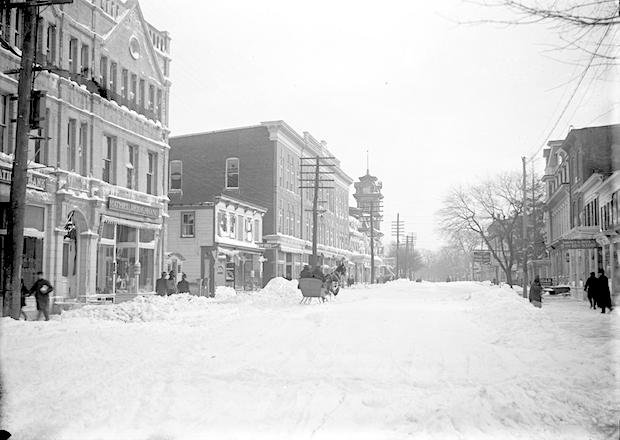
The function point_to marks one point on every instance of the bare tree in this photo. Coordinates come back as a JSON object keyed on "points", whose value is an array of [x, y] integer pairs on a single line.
{"points": [[491, 210], [586, 27]]}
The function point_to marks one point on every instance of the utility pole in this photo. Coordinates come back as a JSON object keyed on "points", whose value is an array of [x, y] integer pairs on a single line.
{"points": [[19, 176], [372, 245], [398, 228], [406, 256], [524, 218], [314, 172]]}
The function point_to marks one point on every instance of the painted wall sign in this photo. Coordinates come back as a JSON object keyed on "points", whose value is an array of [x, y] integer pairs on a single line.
{"points": [[132, 207]]}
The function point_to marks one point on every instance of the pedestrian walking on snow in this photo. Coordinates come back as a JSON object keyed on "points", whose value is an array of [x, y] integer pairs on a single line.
{"points": [[603, 295], [41, 289], [536, 292], [590, 288]]}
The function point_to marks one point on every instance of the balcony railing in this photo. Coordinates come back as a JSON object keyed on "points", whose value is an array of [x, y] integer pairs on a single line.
{"points": [[94, 87]]}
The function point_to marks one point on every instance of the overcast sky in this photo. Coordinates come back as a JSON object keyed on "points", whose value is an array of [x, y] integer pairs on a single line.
{"points": [[435, 103]]}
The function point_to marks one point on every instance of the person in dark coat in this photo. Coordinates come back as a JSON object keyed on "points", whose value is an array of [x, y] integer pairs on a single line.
{"points": [[41, 289], [172, 283], [183, 285], [306, 272], [536, 292], [590, 288], [161, 285], [603, 295], [25, 292], [318, 273]]}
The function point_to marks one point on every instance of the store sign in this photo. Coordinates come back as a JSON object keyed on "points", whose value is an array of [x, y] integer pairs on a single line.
{"points": [[34, 180], [130, 207], [579, 244], [483, 257]]}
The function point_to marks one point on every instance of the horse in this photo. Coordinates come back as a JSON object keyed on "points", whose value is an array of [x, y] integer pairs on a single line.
{"points": [[335, 279]]}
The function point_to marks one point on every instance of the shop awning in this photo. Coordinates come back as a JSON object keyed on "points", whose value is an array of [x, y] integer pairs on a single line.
{"points": [[130, 223]]}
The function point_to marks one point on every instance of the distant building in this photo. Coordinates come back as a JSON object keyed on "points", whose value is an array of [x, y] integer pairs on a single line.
{"points": [[359, 246], [217, 243], [582, 178], [97, 199], [262, 164], [367, 193]]}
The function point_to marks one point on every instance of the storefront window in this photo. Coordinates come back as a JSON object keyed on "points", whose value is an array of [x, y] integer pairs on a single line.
{"points": [[147, 236], [105, 268], [126, 234], [108, 230], [125, 259]]}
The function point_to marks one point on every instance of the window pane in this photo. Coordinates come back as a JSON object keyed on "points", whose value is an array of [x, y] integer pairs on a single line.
{"points": [[34, 217], [147, 235], [126, 234], [108, 230]]}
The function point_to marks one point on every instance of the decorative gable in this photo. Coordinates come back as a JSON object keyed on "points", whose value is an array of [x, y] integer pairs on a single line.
{"points": [[129, 45]]}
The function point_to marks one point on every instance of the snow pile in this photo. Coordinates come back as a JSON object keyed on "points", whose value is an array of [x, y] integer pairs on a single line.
{"points": [[142, 308], [225, 292], [281, 288]]}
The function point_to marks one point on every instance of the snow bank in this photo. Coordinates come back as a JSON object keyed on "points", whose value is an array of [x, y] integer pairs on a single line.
{"points": [[281, 288], [142, 308], [225, 292]]}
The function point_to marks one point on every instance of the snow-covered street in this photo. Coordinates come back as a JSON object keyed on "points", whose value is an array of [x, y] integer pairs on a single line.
{"points": [[402, 360]]}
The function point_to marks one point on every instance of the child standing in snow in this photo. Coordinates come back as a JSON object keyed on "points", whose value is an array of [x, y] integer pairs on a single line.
{"points": [[536, 292]]}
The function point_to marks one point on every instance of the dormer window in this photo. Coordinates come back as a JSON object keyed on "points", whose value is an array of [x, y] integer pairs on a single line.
{"points": [[232, 173]]}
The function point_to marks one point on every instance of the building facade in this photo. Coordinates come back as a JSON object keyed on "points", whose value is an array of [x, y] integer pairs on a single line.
{"points": [[359, 246], [262, 164], [581, 213], [97, 197], [217, 243]]}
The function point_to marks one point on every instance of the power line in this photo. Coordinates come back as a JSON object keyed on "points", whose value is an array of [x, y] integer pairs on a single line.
{"points": [[570, 99]]}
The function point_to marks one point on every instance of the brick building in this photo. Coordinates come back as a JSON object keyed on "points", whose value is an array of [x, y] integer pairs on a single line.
{"points": [[261, 163], [582, 178], [95, 220]]}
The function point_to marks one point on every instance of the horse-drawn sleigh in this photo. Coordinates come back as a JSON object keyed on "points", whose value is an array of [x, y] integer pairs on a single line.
{"points": [[313, 284]]}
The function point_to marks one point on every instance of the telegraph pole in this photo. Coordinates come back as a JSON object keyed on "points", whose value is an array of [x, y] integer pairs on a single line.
{"points": [[19, 172], [524, 218], [398, 227], [19, 177], [407, 256], [314, 172], [372, 245]]}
